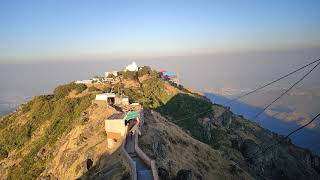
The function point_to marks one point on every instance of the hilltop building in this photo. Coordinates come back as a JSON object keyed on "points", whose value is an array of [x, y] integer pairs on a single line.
{"points": [[171, 76], [132, 67], [113, 99], [117, 124], [89, 81]]}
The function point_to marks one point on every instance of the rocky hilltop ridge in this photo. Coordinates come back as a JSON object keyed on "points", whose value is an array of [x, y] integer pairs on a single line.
{"points": [[61, 136]]}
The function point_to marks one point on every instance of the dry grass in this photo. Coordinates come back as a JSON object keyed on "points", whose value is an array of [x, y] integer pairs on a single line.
{"points": [[174, 150], [84, 142]]}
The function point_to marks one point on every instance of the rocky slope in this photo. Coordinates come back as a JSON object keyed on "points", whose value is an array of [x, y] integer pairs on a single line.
{"points": [[179, 155], [61, 136]]}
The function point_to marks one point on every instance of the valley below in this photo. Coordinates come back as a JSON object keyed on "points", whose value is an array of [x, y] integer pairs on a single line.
{"points": [[289, 113]]}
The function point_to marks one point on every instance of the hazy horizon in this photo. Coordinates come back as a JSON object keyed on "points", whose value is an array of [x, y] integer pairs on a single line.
{"points": [[199, 72]]}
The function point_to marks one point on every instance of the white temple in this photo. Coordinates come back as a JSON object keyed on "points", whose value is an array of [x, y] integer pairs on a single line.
{"points": [[132, 67]]}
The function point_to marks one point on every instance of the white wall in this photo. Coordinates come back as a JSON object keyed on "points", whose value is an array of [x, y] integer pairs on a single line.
{"points": [[116, 126]]}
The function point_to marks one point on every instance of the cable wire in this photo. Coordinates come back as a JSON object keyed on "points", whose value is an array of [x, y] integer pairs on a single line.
{"points": [[192, 115], [303, 77], [268, 84], [286, 137]]}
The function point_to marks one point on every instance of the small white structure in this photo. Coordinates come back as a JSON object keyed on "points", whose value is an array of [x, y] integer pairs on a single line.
{"points": [[132, 67], [105, 96], [112, 98], [115, 73], [123, 100], [83, 82], [108, 79], [115, 128]]}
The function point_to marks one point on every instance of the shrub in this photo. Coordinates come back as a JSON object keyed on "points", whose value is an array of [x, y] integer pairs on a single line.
{"points": [[130, 75], [154, 94], [106, 89], [27, 107], [92, 89], [64, 116], [40, 109], [41, 106], [134, 95], [64, 90], [80, 88], [185, 110], [111, 76], [144, 70], [3, 153]]}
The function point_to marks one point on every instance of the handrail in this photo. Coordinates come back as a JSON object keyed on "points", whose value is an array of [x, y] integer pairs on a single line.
{"points": [[132, 163], [140, 153], [144, 157]]}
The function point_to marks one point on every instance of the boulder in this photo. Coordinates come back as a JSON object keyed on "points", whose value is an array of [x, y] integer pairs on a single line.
{"points": [[249, 148], [163, 174], [184, 174]]}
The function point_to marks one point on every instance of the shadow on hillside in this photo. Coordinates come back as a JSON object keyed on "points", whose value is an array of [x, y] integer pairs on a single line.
{"points": [[106, 167], [182, 88], [306, 138], [185, 110]]}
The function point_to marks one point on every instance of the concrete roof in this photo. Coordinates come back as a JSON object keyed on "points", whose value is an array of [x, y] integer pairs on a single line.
{"points": [[116, 116], [109, 94]]}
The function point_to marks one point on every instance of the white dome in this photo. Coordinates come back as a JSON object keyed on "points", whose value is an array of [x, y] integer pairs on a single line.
{"points": [[132, 67]]}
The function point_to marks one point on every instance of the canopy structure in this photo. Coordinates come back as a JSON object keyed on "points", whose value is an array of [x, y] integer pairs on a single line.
{"points": [[132, 115], [169, 74]]}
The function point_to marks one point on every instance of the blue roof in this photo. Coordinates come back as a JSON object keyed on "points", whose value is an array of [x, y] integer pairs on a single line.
{"points": [[169, 73]]}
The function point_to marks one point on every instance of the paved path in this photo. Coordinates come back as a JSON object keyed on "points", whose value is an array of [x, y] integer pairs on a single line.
{"points": [[143, 171]]}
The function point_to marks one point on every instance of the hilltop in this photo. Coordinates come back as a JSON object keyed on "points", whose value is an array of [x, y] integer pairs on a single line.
{"points": [[62, 135]]}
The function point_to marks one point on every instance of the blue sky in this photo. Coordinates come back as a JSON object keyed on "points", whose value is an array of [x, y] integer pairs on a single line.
{"points": [[73, 29]]}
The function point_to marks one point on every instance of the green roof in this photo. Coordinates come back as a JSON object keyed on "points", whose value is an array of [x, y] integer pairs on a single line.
{"points": [[132, 115]]}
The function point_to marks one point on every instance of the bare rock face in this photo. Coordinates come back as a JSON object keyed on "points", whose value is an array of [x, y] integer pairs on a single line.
{"points": [[249, 148], [226, 119]]}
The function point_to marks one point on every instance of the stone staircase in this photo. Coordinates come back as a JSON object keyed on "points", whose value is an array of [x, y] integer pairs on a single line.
{"points": [[144, 175], [143, 171]]}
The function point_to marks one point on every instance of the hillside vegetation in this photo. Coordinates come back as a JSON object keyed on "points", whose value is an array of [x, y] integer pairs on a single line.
{"points": [[37, 125], [240, 141], [61, 136]]}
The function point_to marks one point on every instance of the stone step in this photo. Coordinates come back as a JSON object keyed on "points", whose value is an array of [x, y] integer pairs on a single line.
{"points": [[132, 155], [145, 175]]}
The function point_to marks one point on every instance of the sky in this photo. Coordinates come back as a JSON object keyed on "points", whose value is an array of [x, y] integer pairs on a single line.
{"points": [[77, 29]]}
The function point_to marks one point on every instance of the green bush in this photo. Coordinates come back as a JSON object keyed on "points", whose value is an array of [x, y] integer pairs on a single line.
{"points": [[134, 95], [154, 94], [40, 109], [42, 106], [185, 110], [111, 76], [80, 88], [3, 153], [64, 90], [63, 114], [130, 75], [26, 107], [144, 70], [218, 137], [92, 89], [106, 89], [6, 121]]}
